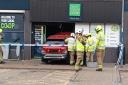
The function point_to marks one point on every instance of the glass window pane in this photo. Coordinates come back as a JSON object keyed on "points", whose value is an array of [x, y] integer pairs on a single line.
{"points": [[13, 37]]}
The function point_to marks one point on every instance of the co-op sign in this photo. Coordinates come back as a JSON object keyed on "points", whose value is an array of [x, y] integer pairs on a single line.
{"points": [[7, 22]]}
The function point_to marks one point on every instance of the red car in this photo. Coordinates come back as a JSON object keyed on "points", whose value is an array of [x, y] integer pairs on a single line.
{"points": [[55, 48]]}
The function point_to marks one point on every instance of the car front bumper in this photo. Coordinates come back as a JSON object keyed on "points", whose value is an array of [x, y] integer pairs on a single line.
{"points": [[55, 56]]}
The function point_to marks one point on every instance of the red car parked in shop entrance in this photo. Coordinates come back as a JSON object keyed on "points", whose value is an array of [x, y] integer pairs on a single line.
{"points": [[55, 48]]}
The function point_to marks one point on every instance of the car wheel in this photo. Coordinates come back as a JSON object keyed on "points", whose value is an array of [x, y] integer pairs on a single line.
{"points": [[67, 60], [44, 60]]}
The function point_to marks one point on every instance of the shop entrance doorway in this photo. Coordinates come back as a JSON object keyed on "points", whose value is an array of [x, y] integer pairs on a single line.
{"points": [[52, 28], [41, 31]]}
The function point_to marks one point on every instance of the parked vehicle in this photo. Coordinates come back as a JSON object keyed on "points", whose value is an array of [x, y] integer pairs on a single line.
{"points": [[55, 48]]}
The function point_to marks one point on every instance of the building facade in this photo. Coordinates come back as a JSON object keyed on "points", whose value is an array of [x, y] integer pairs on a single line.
{"points": [[91, 13], [42, 18], [14, 21]]}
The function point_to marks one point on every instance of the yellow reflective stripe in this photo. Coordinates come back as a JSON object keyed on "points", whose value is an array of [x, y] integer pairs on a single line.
{"points": [[100, 66]]}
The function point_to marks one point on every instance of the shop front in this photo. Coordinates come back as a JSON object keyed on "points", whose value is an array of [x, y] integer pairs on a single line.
{"points": [[41, 31], [80, 14], [12, 22]]}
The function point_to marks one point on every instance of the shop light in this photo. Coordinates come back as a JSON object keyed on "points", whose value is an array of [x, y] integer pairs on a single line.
{"points": [[12, 11]]}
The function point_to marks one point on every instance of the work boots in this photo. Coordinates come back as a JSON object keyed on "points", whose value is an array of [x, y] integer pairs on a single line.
{"points": [[77, 68], [99, 69], [72, 62], [2, 62], [82, 63]]}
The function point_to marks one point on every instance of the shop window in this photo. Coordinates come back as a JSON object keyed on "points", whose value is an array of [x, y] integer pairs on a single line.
{"points": [[13, 37], [126, 5], [13, 28]]}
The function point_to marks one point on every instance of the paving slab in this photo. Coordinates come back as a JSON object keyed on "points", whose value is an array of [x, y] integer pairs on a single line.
{"points": [[87, 76]]}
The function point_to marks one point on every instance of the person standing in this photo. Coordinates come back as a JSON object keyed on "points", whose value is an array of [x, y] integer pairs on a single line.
{"points": [[90, 48], [1, 51], [100, 47], [79, 50], [85, 39], [71, 47]]}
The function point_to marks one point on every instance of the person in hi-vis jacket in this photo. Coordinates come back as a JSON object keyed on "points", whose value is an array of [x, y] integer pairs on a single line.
{"points": [[71, 47], [1, 51], [100, 47], [90, 48]]}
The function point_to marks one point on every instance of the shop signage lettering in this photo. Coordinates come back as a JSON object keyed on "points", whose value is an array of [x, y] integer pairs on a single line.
{"points": [[7, 25], [7, 22]]}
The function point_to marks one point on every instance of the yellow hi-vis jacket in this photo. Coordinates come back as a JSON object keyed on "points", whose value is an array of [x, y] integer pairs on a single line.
{"points": [[100, 40], [71, 43], [1, 40], [90, 44], [79, 46]]}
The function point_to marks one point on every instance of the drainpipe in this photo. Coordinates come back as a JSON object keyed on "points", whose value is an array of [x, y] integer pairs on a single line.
{"points": [[122, 34]]}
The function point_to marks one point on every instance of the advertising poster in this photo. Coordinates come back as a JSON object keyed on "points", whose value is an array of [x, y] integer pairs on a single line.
{"points": [[112, 32]]}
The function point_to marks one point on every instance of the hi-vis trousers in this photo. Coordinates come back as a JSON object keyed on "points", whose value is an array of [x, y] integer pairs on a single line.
{"points": [[80, 56], [100, 53], [72, 56], [89, 56], [1, 54]]}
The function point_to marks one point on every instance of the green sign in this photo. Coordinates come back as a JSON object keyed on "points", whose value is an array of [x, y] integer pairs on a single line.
{"points": [[7, 25], [74, 9], [7, 22]]}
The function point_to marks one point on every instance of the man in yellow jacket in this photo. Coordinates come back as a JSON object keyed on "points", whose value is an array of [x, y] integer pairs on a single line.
{"points": [[85, 39], [100, 47], [79, 50], [71, 47], [90, 48]]}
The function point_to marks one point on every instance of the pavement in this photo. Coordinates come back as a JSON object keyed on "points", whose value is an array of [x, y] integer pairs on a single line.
{"points": [[34, 77], [86, 76], [37, 64], [34, 64]]}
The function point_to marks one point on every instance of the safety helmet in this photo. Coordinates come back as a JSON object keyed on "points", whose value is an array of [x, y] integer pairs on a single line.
{"points": [[79, 31], [98, 28], [1, 30], [72, 34]]}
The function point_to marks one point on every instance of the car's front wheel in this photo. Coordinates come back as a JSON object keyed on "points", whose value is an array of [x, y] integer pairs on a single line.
{"points": [[44, 60], [67, 60]]}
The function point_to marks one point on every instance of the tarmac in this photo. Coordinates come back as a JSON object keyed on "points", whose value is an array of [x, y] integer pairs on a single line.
{"points": [[86, 76]]}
